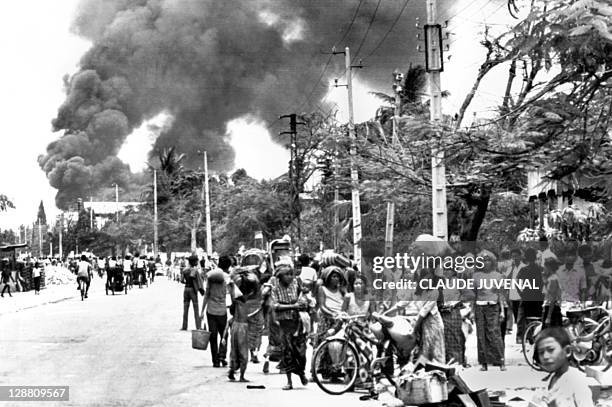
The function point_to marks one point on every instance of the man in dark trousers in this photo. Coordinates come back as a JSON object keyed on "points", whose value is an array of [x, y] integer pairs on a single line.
{"points": [[531, 298], [192, 287], [6, 279], [215, 308]]}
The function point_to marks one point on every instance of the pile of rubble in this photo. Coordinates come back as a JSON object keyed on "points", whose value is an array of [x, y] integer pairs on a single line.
{"points": [[57, 275]]}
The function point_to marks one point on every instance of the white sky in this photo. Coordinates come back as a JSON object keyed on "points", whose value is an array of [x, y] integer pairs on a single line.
{"points": [[38, 50]]}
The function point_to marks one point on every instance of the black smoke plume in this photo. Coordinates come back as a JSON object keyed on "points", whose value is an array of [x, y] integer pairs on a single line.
{"points": [[205, 62]]}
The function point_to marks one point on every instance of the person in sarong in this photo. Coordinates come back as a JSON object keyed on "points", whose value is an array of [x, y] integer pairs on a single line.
{"points": [[451, 307], [429, 327], [255, 319], [239, 340], [271, 326], [488, 314], [286, 304], [330, 299]]}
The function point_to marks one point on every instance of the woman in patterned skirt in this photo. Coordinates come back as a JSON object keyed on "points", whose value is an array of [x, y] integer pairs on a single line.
{"points": [[285, 296], [488, 313]]}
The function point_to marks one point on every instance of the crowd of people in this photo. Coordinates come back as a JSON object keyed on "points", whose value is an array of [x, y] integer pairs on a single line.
{"points": [[297, 305]]}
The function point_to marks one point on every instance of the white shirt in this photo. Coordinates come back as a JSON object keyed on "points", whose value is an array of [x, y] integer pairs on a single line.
{"points": [[308, 273], [513, 272], [570, 390], [84, 268], [36, 272]]}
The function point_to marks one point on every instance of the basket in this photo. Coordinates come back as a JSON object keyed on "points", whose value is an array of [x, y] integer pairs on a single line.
{"points": [[199, 339], [423, 388]]}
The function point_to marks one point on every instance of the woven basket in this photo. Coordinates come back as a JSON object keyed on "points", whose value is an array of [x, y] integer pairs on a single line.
{"points": [[199, 339], [423, 388]]}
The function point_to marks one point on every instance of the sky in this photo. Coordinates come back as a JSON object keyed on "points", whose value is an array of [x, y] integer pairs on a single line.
{"points": [[39, 50]]}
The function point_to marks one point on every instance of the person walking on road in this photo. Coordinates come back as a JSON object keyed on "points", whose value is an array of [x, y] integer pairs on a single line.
{"points": [[286, 304], [489, 311], [36, 276], [84, 274], [6, 279], [215, 309], [190, 294]]}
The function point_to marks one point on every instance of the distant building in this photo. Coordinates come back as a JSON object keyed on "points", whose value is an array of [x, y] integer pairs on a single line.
{"points": [[103, 212]]}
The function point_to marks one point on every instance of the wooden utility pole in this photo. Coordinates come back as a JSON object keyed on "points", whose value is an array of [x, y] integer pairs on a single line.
{"points": [[434, 66], [155, 233], [209, 247]]}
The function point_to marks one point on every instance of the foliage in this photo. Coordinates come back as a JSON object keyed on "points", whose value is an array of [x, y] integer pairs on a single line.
{"points": [[5, 203]]}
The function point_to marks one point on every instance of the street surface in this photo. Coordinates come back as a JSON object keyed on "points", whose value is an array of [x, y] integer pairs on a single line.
{"points": [[127, 350]]}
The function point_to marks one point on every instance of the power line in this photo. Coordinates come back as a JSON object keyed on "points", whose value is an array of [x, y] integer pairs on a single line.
{"points": [[346, 32], [384, 38], [365, 36]]}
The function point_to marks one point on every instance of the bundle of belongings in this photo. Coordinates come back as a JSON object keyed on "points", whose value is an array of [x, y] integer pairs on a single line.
{"points": [[431, 383]]}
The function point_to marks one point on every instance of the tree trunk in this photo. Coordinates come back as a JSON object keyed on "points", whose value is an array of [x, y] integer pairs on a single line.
{"points": [[467, 213]]}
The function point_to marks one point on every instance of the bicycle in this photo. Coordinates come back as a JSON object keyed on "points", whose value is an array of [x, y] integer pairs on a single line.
{"points": [[591, 338], [350, 353]]}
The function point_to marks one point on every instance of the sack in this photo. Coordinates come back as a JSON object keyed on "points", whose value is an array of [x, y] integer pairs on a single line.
{"points": [[422, 388], [200, 338]]}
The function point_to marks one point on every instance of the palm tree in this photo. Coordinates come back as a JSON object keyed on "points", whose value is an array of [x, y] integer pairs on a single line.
{"points": [[170, 163]]}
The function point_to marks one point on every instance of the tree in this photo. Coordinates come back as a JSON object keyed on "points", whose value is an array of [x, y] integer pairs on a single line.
{"points": [[5, 203], [560, 123]]}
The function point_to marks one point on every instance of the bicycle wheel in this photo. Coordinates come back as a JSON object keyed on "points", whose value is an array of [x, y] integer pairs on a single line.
{"points": [[531, 331], [335, 366]]}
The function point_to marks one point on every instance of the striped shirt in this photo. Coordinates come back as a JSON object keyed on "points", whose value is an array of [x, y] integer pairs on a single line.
{"points": [[285, 295]]}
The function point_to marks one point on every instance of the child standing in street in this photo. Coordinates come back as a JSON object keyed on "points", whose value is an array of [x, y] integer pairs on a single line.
{"points": [[568, 387], [239, 339]]}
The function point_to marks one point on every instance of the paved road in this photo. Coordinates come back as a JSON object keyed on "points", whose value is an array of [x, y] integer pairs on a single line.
{"points": [[127, 350]]}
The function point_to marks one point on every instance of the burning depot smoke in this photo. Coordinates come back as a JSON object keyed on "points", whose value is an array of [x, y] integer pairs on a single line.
{"points": [[205, 63]]}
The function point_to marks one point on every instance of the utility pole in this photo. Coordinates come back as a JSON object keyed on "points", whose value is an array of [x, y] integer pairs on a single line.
{"points": [[295, 169], [117, 202], [61, 231], [397, 88], [155, 236], [209, 248], [353, 152], [336, 199], [434, 65], [91, 212]]}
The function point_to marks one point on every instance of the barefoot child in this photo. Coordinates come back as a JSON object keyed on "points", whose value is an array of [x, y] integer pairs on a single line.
{"points": [[239, 335], [568, 387]]}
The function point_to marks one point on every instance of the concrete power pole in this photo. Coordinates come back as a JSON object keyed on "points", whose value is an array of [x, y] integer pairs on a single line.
{"points": [[434, 66], [397, 80], [353, 151], [209, 246], [117, 202], [155, 233], [61, 231], [91, 212]]}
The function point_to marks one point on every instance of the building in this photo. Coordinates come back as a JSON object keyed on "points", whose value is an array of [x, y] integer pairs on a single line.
{"points": [[103, 211]]}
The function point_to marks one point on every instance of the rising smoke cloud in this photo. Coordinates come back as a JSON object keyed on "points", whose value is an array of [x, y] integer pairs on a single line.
{"points": [[204, 62]]}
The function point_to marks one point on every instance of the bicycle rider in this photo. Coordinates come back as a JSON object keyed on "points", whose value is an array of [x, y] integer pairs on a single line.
{"points": [[85, 273]]}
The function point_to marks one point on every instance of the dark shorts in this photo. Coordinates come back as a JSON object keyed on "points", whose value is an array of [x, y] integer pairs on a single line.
{"points": [[83, 279]]}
